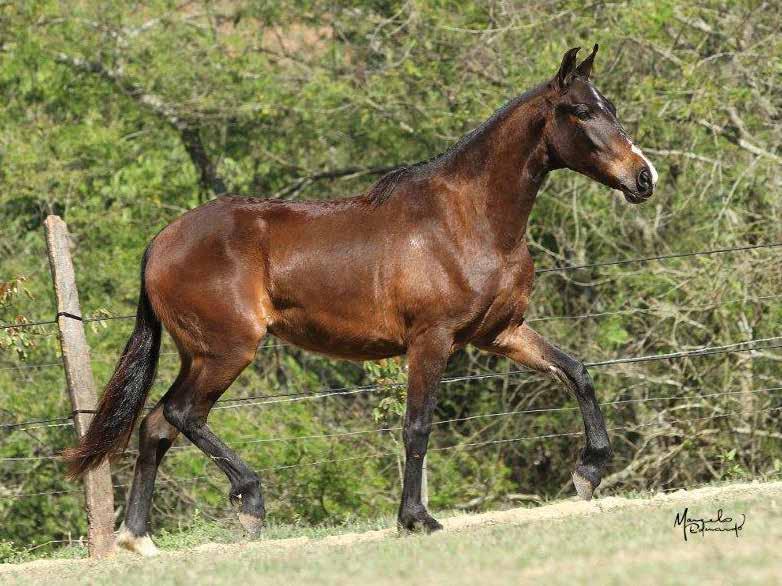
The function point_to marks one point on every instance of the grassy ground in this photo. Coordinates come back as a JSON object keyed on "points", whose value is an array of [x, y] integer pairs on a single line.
{"points": [[608, 541]]}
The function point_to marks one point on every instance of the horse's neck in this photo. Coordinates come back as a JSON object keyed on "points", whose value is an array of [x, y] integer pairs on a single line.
{"points": [[502, 170]]}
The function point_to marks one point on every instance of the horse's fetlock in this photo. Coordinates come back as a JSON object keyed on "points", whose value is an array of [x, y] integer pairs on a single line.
{"points": [[591, 473], [415, 510], [245, 489], [598, 457], [247, 495]]}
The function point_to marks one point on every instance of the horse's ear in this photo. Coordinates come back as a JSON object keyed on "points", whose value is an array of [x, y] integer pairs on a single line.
{"points": [[585, 69], [565, 73]]}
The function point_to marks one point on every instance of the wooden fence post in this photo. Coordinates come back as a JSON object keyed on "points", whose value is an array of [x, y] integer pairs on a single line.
{"points": [[98, 492], [425, 485]]}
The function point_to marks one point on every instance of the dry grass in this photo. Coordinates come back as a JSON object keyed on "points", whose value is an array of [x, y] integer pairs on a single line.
{"points": [[611, 540]]}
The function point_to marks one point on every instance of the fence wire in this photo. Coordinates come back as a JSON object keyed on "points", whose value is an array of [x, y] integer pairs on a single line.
{"points": [[386, 454], [560, 269], [258, 400], [668, 424], [745, 346]]}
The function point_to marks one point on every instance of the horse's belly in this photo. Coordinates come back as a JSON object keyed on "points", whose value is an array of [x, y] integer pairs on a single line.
{"points": [[366, 338]]}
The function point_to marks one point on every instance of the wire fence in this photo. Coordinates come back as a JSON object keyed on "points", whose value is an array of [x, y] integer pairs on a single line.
{"points": [[536, 411], [752, 345], [559, 269], [257, 400], [389, 453], [347, 434]]}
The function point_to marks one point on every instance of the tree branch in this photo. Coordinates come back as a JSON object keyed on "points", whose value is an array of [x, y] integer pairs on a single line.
{"points": [[347, 173], [685, 154], [209, 180], [188, 130], [738, 139]]}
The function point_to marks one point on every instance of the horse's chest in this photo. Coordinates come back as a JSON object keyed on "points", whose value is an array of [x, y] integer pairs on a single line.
{"points": [[505, 302]]}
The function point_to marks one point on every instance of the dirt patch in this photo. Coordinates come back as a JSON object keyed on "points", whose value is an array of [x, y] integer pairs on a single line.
{"points": [[561, 510]]}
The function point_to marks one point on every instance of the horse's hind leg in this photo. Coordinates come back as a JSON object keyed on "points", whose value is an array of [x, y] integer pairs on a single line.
{"points": [[156, 435], [187, 410]]}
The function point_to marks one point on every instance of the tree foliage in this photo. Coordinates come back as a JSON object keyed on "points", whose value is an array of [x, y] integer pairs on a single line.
{"points": [[120, 116]]}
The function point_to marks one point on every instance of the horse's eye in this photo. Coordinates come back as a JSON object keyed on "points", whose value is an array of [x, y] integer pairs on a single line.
{"points": [[582, 111]]}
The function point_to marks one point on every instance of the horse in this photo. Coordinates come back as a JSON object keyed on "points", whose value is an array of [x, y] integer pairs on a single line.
{"points": [[432, 258]]}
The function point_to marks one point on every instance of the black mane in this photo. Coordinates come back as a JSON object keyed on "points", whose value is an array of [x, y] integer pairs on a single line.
{"points": [[385, 186], [382, 190]]}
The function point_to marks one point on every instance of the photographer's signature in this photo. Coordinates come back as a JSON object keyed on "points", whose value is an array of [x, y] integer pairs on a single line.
{"points": [[691, 526]]}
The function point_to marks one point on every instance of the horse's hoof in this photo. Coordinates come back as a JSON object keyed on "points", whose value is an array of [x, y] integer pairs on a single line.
{"points": [[423, 523], [140, 544], [584, 488], [251, 524], [430, 525]]}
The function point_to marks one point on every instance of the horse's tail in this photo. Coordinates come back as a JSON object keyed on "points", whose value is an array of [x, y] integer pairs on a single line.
{"points": [[125, 393]]}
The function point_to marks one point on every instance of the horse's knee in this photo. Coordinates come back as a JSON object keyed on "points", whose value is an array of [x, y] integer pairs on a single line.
{"points": [[416, 435]]}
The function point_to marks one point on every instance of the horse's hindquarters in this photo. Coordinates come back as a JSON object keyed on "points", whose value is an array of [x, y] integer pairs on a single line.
{"points": [[205, 280]]}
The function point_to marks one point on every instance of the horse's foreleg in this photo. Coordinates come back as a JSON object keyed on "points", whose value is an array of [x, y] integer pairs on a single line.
{"points": [[525, 346], [427, 357], [187, 410]]}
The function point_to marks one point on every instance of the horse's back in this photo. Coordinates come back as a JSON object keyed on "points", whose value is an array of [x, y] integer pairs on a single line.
{"points": [[348, 277], [334, 273], [310, 272]]}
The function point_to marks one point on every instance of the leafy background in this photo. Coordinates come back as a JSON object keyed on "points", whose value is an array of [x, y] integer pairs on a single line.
{"points": [[119, 116]]}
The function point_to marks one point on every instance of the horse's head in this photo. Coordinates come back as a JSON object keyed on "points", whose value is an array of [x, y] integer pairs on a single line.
{"points": [[584, 134]]}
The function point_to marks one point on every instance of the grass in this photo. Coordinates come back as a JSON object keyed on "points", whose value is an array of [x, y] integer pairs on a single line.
{"points": [[198, 532], [201, 531], [637, 544]]}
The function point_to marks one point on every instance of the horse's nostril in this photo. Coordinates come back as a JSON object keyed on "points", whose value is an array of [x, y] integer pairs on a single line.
{"points": [[644, 181]]}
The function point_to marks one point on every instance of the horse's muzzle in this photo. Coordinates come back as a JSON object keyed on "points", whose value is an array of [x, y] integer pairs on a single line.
{"points": [[643, 189], [644, 182]]}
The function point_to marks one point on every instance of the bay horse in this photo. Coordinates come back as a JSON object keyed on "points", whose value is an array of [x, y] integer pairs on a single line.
{"points": [[432, 258]]}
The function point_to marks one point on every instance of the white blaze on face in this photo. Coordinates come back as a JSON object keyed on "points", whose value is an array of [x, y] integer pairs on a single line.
{"points": [[652, 170]]}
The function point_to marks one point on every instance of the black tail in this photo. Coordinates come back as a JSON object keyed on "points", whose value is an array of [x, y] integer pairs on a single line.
{"points": [[125, 394]]}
